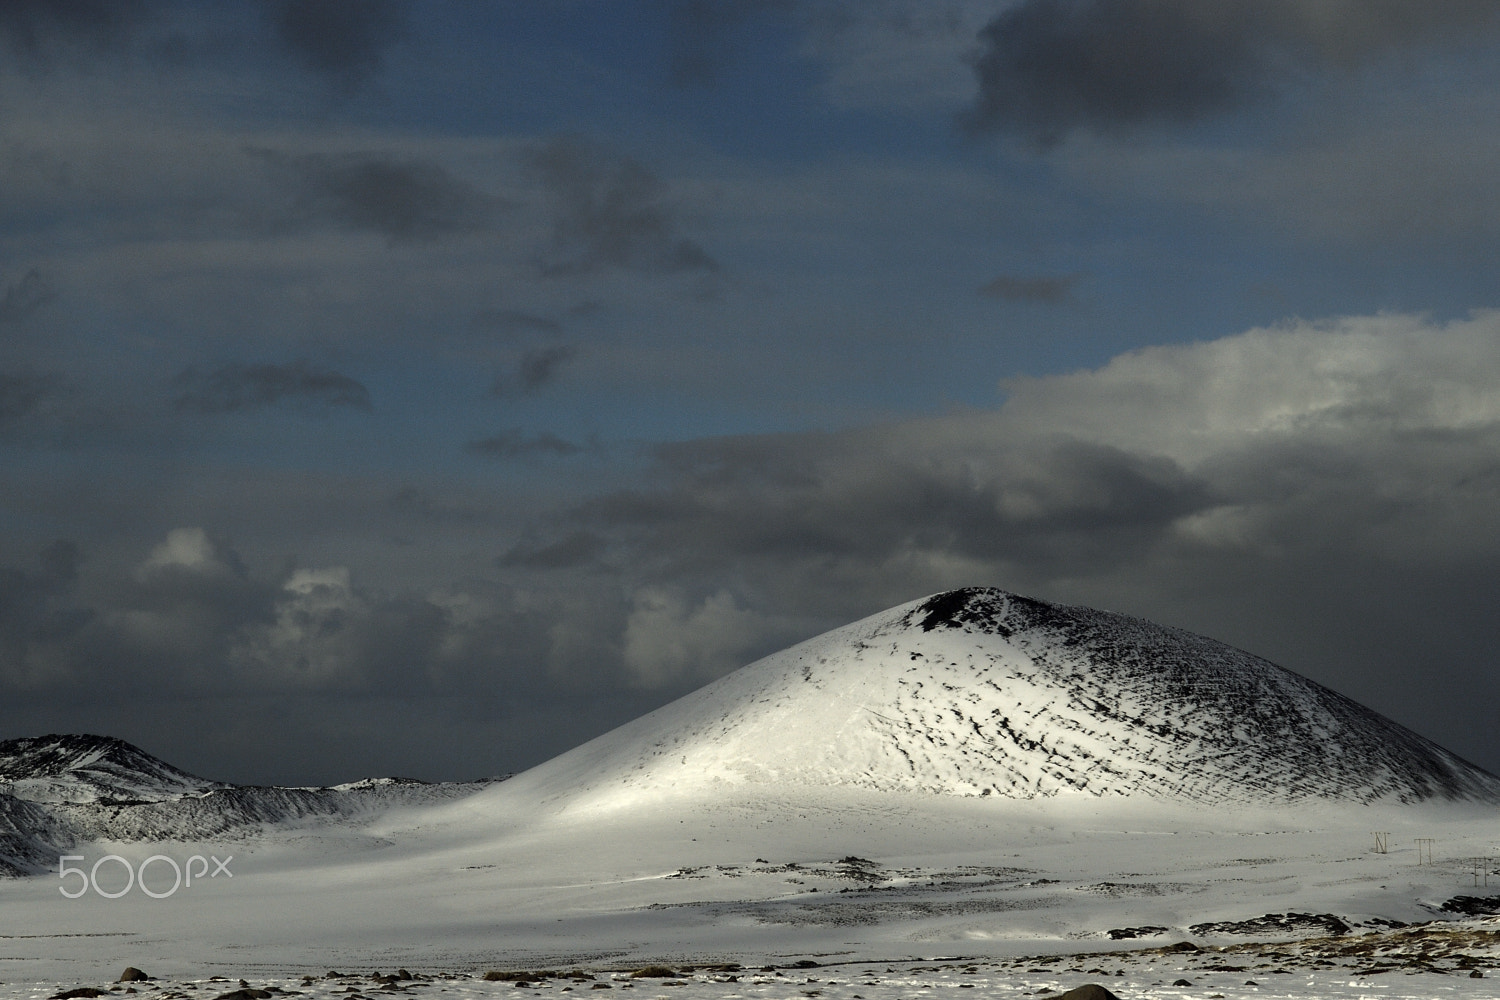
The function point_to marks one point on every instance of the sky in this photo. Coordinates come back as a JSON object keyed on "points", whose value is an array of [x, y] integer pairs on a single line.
{"points": [[424, 388]]}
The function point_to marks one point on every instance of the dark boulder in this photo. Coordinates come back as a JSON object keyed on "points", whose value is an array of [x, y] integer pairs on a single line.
{"points": [[1091, 991]]}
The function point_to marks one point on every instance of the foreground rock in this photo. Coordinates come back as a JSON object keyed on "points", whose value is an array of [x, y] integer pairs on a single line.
{"points": [[1092, 991]]}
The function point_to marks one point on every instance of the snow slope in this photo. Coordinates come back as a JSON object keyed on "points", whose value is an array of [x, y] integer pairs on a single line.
{"points": [[985, 693]]}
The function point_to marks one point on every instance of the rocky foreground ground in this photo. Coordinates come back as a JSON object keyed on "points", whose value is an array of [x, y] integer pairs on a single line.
{"points": [[1459, 960]]}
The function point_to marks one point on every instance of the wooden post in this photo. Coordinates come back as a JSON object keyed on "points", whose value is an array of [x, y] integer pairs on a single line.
{"points": [[1382, 841]]}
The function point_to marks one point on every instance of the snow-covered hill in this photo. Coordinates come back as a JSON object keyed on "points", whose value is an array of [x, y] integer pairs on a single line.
{"points": [[88, 768], [59, 791], [980, 692]]}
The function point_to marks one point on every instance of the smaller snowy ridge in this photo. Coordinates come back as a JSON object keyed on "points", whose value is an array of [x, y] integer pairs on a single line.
{"points": [[980, 692], [88, 768], [61, 790], [364, 783]]}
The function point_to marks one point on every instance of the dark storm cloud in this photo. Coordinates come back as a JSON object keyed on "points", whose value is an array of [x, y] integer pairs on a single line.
{"points": [[514, 444], [24, 297], [854, 498], [402, 199], [609, 211], [1049, 67], [193, 635], [171, 623], [191, 619], [234, 388], [1013, 288], [344, 41], [39, 28]]}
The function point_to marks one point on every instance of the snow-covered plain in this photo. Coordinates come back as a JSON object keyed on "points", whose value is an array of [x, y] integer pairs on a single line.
{"points": [[822, 806]]}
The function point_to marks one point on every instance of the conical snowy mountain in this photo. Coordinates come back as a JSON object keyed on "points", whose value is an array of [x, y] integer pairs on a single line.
{"points": [[984, 693]]}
